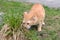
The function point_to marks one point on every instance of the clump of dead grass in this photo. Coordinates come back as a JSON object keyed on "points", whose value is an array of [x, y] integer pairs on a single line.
{"points": [[7, 34]]}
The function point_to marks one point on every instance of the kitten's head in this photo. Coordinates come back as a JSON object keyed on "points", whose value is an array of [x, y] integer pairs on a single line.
{"points": [[28, 22]]}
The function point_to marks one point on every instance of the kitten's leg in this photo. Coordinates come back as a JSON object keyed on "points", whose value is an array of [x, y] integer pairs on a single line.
{"points": [[40, 33], [40, 26], [43, 23]]}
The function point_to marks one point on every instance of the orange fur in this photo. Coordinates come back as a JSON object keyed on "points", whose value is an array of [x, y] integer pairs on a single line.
{"points": [[38, 12]]}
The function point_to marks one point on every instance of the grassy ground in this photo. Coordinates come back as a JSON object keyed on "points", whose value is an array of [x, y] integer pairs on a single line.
{"points": [[13, 15]]}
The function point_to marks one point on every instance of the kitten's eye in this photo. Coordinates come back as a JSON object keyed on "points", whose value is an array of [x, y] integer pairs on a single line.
{"points": [[23, 23], [27, 23]]}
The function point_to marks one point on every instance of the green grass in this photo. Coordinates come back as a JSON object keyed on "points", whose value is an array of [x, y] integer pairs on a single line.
{"points": [[14, 12]]}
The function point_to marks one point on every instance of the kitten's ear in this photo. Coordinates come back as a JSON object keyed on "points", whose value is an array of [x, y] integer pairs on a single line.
{"points": [[25, 14]]}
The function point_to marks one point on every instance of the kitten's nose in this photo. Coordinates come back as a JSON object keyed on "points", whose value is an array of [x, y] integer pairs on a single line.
{"points": [[28, 27]]}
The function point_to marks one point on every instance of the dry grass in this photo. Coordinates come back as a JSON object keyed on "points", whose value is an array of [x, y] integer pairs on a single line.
{"points": [[15, 35]]}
